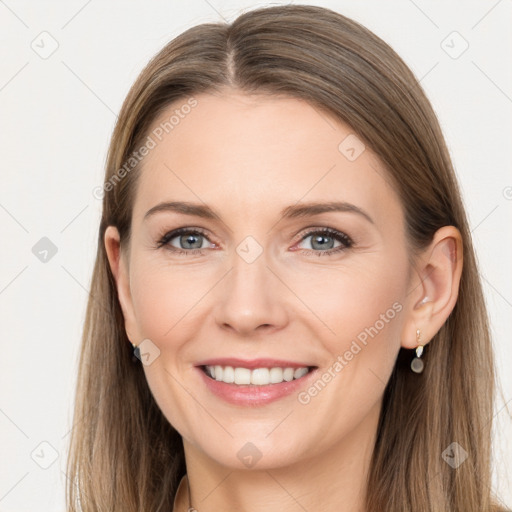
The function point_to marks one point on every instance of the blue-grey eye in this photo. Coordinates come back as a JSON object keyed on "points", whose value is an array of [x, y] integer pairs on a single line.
{"points": [[184, 239], [322, 241], [188, 241]]}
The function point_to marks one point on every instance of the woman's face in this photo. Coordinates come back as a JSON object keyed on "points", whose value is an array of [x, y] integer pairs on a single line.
{"points": [[254, 275]]}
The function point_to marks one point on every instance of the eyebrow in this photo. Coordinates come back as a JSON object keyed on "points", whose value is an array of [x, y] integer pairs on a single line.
{"points": [[290, 212]]}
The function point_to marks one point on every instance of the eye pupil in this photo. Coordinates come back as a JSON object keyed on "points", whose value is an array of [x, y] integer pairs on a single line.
{"points": [[321, 241], [185, 239]]}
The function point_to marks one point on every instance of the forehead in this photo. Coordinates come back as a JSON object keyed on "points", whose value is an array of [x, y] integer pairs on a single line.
{"points": [[239, 152]]}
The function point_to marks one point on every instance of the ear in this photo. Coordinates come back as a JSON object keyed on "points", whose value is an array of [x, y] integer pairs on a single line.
{"points": [[434, 287], [118, 265]]}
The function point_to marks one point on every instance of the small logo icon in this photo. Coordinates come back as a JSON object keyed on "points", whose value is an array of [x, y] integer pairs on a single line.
{"points": [[44, 250], [249, 249], [454, 455], [351, 147], [45, 45], [44, 454], [249, 455], [147, 352], [454, 45]]}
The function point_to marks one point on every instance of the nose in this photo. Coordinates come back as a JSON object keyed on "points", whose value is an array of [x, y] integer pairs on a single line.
{"points": [[250, 299]]}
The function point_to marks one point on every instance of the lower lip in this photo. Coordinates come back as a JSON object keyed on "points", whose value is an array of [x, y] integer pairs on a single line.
{"points": [[253, 395]]}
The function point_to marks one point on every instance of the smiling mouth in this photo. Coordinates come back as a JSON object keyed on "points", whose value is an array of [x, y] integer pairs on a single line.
{"points": [[257, 376]]}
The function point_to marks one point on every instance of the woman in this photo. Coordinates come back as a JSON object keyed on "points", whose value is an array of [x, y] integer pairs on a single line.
{"points": [[244, 372]]}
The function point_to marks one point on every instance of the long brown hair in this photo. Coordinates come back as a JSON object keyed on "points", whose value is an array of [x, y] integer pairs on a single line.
{"points": [[124, 455]]}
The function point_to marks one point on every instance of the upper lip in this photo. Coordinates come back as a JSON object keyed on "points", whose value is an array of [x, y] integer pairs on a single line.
{"points": [[252, 363]]}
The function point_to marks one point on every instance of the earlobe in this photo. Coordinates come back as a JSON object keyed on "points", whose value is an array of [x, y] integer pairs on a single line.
{"points": [[435, 288]]}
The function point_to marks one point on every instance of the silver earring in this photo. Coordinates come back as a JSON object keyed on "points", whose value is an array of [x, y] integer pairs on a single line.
{"points": [[417, 364]]}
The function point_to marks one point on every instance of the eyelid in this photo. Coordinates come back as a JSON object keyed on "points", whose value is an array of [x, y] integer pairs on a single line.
{"points": [[345, 240], [168, 235], [323, 229]]}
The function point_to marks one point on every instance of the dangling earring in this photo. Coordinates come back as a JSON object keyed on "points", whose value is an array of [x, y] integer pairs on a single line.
{"points": [[417, 364]]}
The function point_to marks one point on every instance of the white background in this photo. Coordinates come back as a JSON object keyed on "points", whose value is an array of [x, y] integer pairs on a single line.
{"points": [[56, 119]]}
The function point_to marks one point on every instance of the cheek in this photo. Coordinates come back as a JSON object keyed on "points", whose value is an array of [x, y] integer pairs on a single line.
{"points": [[165, 299], [351, 300], [359, 316], [364, 309]]}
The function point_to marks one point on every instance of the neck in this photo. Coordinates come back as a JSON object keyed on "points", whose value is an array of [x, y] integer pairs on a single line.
{"points": [[331, 481]]}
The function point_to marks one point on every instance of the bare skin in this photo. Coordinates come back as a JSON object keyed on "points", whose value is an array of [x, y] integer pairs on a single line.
{"points": [[248, 158]]}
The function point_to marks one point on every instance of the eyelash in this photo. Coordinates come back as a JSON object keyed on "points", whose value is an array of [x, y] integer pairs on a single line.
{"points": [[346, 241]]}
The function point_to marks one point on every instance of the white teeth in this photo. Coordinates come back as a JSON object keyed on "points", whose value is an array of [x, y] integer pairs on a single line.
{"points": [[228, 375], [260, 376], [242, 376], [276, 375], [257, 376], [288, 374], [299, 372]]}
